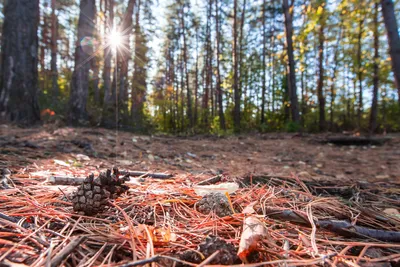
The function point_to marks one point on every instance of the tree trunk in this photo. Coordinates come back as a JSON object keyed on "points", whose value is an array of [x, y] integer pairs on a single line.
{"points": [[320, 85], [334, 73], [207, 69], [394, 39], [107, 102], [219, 82], [124, 57], [288, 12], [374, 106], [236, 112], [196, 88], [139, 84], [19, 60], [264, 86], [54, 36], [95, 62], [43, 47], [95, 67], [185, 60], [360, 74], [240, 56], [80, 76]]}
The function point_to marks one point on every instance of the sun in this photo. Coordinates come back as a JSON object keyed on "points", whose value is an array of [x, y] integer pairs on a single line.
{"points": [[115, 38]]}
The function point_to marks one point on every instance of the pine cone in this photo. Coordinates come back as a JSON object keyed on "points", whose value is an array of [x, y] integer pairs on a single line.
{"points": [[227, 252], [216, 202], [92, 195], [227, 255]]}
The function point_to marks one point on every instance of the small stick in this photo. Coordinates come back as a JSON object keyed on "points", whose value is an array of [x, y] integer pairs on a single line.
{"points": [[209, 259], [154, 259], [64, 194], [212, 180], [147, 174], [67, 180], [65, 252], [142, 262], [13, 220]]}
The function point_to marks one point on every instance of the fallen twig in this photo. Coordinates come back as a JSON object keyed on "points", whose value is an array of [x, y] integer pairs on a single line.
{"points": [[67, 180], [64, 253], [345, 228], [342, 228], [147, 174], [212, 180]]}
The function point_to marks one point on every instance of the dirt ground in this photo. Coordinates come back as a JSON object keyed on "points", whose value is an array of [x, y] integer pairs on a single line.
{"points": [[63, 151], [315, 204]]}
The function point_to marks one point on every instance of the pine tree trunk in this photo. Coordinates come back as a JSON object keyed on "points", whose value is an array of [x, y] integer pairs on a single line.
{"points": [[240, 56], [108, 108], [236, 112], [95, 67], [139, 84], [19, 55], [392, 29], [196, 89], [185, 60], [80, 76], [264, 86], [292, 75], [207, 69], [374, 106], [54, 36], [360, 74], [219, 89], [320, 85], [124, 57], [43, 47], [334, 74]]}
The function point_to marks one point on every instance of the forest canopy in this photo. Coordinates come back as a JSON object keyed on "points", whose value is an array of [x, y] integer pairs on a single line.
{"points": [[215, 66]]}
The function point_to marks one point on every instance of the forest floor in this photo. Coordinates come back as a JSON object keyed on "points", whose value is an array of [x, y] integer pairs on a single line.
{"points": [[298, 187], [275, 153]]}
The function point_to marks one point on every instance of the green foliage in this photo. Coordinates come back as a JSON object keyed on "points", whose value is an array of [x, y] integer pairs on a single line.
{"points": [[292, 127], [162, 98]]}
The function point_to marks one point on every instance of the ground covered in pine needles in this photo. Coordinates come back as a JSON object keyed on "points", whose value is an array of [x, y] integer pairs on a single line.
{"points": [[299, 202]]}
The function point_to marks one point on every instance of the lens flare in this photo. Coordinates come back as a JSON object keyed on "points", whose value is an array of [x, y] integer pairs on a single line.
{"points": [[115, 38]]}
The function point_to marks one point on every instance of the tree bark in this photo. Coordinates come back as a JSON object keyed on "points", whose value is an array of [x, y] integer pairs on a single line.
{"points": [[360, 73], [43, 46], [19, 60], [107, 102], [139, 76], [207, 69], [80, 76], [240, 56], [196, 88], [374, 106], [392, 29], [54, 36], [264, 86], [124, 57], [219, 82], [294, 107], [334, 74], [320, 85], [236, 112], [185, 61]]}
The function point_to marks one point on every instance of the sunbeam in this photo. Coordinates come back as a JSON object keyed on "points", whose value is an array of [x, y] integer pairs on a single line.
{"points": [[115, 39]]}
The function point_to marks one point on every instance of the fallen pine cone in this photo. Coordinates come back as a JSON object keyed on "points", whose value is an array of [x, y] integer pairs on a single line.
{"points": [[93, 194], [227, 252]]}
